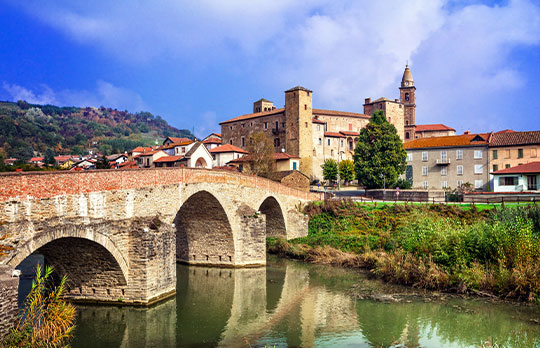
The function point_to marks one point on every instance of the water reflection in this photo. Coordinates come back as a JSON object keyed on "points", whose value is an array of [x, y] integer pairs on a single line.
{"points": [[297, 305]]}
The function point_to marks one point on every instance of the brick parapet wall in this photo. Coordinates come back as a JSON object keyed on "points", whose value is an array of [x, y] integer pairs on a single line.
{"points": [[52, 184], [8, 299]]}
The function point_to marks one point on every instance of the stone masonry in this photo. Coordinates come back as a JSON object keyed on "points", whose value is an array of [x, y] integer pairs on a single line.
{"points": [[8, 299]]}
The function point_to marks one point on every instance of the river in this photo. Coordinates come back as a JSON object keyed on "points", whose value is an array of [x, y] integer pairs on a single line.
{"points": [[293, 304]]}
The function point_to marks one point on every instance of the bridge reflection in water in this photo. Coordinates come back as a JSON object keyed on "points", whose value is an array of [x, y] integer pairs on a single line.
{"points": [[294, 305]]}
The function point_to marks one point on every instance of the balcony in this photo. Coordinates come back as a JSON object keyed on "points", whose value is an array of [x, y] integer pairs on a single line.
{"points": [[442, 162]]}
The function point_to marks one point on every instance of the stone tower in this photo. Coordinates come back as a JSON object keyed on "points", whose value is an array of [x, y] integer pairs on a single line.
{"points": [[407, 98], [298, 118], [263, 105]]}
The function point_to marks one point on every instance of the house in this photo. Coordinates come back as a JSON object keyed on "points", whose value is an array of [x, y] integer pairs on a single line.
{"points": [[117, 158], [37, 161], [146, 160], [223, 154], [173, 140], [65, 161], [509, 149], [284, 161], [85, 164], [212, 142], [169, 161], [10, 161], [137, 151], [448, 162], [198, 156], [178, 149], [128, 165], [524, 177]]}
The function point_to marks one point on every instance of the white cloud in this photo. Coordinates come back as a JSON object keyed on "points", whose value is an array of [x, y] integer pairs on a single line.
{"points": [[460, 51], [106, 94]]}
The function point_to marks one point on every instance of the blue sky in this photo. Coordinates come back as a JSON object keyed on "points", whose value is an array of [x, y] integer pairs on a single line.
{"points": [[476, 64]]}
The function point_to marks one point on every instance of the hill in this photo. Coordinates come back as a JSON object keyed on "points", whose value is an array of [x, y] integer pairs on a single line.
{"points": [[28, 129]]}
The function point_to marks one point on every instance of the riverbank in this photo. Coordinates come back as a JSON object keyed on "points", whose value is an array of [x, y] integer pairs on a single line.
{"points": [[493, 253]]}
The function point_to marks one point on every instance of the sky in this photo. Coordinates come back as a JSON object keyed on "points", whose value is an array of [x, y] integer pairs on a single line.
{"points": [[476, 64]]}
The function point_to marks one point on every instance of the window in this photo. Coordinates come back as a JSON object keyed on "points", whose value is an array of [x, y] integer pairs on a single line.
{"points": [[266, 125], [444, 184], [477, 154], [308, 93], [507, 166], [407, 136], [276, 142], [424, 171], [318, 127], [314, 153], [230, 141], [243, 125], [478, 184], [506, 153], [350, 126], [443, 156], [214, 157], [495, 154], [183, 150], [459, 154], [495, 167], [294, 165], [425, 185], [406, 96], [478, 168], [306, 124], [320, 141], [508, 181], [424, 156], [332, 153], [230, 127], [328, 141], [520, 153], [533, 153], [444, 171], [341, 143], [350, 145], [277, 125], [243, 141], [409, 157], [251, 124], [459, 170], [459, 183], [305, 106]]}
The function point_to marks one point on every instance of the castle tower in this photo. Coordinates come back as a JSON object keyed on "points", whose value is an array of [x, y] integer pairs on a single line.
{"points": [[408, 99], [263, 105], [298, 118]]}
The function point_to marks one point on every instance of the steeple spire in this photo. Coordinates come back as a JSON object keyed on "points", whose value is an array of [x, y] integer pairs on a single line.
{"points": [[407, 80]]}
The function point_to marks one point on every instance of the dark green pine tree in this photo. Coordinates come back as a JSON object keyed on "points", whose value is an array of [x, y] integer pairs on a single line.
{"points": [[379, 156]]}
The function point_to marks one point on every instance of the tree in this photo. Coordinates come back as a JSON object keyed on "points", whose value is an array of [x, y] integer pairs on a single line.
{"points": [[103, 163], [261, 153], [330, 169], [379, 156], [49, 157], [346, 171]]}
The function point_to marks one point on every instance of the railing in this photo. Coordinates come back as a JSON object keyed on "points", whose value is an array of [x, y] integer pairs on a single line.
{"points": [[443, 162]]}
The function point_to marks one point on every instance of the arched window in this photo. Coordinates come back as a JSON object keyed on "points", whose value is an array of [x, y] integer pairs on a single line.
{"points": [[406, 96], [407, 135]]}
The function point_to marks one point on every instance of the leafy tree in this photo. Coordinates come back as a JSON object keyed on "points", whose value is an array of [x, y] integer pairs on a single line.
{"points": [[346, 171], [330, 169], [404, 184], [379, 156], [103, 163], [261, 152], [48, 320], [49, 157]]}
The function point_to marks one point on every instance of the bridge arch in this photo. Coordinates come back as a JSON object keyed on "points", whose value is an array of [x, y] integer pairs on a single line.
{"points": [[203, 231], [275, 218], [94, 266]]}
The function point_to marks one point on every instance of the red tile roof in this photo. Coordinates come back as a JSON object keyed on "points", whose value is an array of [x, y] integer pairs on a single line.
{"points": [[255, 115], [128, 164], [169, 159], [506, 131], [339, 113], [149, 153], [178, 140], [532, 167], [334, 135], [172, 145], [212, 141], [227, 148], [515, 138], [36, 159], [449, 141], [432, 128], [350, 133], [141, 149], [315, 120]]}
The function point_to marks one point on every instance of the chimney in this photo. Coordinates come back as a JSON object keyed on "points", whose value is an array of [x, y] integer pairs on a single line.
{"points": [[367, 100], [467, 132]]}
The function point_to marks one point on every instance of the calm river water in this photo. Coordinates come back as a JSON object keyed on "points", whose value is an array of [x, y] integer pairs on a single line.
{"points": [[291, 304]]}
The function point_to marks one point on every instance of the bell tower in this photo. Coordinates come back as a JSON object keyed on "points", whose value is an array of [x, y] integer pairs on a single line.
{"points": [[408, 99]]}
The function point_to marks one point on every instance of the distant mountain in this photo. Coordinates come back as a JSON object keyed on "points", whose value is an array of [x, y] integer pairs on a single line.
{"points": [[27, 130]]}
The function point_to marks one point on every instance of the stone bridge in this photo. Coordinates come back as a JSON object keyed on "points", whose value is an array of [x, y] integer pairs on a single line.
{"points": [[118, 234]]}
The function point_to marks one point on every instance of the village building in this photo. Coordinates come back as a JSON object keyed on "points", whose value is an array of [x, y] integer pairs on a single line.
{"points": [[509, 149], [175, 140], [521, 178], [283, 161], [146, 160], [178, 149], [117, 158], [314, 135], [137, 151], [449, 162], [212, 141], [432, 130], [85, 164], [223, 154]]}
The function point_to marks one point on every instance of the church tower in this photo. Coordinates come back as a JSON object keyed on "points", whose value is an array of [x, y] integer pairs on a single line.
{"points": [[408, 99], [298, 118]]}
